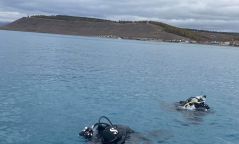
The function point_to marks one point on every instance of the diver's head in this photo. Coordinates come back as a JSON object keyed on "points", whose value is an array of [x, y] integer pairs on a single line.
{"points": [[110, 135], [204, 98], [87, 132]]}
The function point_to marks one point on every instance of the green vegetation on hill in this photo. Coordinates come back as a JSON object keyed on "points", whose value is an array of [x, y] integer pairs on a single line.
{"points": [[180, 31], [144, 30], [168, 28], [69, 18]]}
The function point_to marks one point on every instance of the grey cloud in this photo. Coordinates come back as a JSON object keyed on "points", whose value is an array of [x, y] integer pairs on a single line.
{"points": [[204, 14]]}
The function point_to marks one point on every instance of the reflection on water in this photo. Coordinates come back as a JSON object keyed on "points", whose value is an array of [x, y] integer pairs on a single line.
{"points": [[151, 137], [194, 117]]}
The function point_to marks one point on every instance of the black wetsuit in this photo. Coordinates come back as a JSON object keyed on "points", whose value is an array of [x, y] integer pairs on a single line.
{"points": [[102, 137]]}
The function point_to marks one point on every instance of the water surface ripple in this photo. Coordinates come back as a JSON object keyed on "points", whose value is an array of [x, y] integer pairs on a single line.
{"points": [[51, 86]]}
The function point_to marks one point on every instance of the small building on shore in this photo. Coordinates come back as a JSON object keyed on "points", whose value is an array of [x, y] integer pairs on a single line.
{"points": [[235, 43], [227, 43]]}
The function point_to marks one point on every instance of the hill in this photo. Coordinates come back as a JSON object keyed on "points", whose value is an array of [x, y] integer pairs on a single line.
{"points": [[143, 30]]}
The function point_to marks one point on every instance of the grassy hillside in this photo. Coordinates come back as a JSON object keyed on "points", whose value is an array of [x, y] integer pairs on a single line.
{"points": [[144, 30]]}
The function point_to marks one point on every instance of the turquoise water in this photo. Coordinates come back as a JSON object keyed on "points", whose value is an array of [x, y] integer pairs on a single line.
{"points": [[51, 86]]}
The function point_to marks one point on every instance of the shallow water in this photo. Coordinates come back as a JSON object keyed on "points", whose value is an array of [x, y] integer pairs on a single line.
{"points": [[51, 86]]}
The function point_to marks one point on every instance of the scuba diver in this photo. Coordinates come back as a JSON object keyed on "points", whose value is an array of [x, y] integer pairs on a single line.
{"points": [[106, 132], [195, 103]]}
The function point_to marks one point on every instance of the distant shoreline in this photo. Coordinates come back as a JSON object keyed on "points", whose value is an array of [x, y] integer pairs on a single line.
{"points": [[132, 30], [120, 39]]}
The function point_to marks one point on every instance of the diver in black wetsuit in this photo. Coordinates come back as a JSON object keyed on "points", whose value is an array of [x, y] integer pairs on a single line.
{"points": [[194, 103], [106, 133]]}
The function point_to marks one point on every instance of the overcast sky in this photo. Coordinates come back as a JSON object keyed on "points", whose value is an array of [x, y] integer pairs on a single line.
{"points": [[219, 15]]}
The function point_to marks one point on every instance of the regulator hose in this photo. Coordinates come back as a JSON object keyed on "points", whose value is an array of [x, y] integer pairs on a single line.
{"points": [[104, 117], [103, 123]]}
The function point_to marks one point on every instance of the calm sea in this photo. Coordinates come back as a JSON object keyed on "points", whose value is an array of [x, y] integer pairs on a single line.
{"points": [[51, 86]]}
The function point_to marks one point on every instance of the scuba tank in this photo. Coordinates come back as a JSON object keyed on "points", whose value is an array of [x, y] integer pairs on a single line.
{"points": [[111, 135], [106, 132]]}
